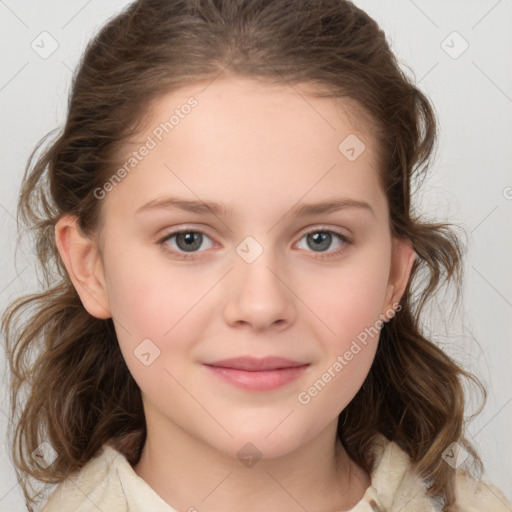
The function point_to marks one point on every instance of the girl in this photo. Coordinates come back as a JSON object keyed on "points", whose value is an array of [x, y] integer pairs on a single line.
{"points": [[236, 275]]}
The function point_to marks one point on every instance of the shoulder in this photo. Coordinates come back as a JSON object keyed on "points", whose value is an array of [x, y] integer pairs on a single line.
{"points": [[107, 483], [478, 496], [94, 486], [396, 486]]}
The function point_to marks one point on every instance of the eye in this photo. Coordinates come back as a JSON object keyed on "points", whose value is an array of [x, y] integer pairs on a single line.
{"points": [[187, 241], [321, 240]]}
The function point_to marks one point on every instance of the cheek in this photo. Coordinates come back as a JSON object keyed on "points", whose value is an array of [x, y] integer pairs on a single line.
{"points": [[150, 298], [349, 298], [328, 392], [350, 305], [168, 307], [158, 317]]}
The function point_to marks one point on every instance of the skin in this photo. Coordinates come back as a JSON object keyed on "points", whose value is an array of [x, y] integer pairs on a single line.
{"points": [[259, 150]]}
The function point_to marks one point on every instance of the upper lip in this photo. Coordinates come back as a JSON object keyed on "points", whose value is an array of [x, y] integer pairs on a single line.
{"points": [[254, 364]]}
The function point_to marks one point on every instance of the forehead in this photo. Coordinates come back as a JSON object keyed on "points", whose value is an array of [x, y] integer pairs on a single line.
{"points": [[229, 105], [244, 141]]}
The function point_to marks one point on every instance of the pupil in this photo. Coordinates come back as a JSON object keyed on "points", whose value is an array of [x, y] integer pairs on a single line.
{"points": [[189, 241], [321, 241]]}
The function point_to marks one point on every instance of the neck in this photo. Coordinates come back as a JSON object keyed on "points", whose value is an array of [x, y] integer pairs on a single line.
{"points": [[193, 476]]}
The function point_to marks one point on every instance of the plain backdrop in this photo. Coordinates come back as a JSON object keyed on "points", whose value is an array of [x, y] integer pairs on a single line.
{"points": [[459, 54]]}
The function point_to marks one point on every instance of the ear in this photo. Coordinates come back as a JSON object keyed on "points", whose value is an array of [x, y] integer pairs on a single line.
{"points": [[82, 260], [402, 260]]}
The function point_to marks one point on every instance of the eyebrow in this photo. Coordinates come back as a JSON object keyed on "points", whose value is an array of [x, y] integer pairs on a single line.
{"points": [[217, 209]]}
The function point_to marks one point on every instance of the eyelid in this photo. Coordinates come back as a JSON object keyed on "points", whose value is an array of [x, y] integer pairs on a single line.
{"points": [[167, 233], [319, 227]]}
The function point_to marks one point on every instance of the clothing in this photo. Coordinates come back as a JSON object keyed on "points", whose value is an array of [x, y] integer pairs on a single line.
{"points": [[109, 483]]}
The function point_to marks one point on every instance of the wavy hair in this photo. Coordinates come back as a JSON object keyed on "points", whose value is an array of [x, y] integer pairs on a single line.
{"points": [[69, 383]]}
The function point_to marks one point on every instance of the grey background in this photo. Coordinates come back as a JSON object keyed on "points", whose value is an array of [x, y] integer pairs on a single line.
{"points": [[470, 183]]}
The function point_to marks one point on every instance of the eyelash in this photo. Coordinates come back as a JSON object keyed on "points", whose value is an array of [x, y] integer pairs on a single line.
{"points": [[318, 255]]}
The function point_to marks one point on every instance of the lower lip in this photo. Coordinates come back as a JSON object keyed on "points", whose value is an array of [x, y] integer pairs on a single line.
{"points": [[267, 380]]}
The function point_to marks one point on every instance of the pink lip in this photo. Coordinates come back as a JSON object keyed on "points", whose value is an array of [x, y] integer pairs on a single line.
{"points": [[255, 374]]}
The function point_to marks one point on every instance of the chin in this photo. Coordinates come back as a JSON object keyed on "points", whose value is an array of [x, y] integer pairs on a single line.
{"points": [[263, 441]]}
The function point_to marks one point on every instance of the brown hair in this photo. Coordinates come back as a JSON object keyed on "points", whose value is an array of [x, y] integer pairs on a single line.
{"points": [[80, 393]]}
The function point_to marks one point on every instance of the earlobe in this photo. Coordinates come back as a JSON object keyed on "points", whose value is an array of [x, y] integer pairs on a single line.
{"points": [[402, 261], [83, 263]]}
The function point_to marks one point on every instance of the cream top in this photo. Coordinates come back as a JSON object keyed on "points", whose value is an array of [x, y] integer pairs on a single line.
{"points": [[108, 483]]}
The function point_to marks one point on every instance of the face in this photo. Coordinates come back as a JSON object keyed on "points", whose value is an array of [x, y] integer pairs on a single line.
{"points": [[247, 262]]}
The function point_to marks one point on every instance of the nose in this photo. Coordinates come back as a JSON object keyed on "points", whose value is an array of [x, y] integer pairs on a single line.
{"points": [[259, 296]]}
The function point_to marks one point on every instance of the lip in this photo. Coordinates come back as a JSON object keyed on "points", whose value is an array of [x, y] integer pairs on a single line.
{"points": [[255, 364], [258, 374]]}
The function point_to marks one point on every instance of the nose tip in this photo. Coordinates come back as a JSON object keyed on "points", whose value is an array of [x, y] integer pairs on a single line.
{"points": [[257, 298]]}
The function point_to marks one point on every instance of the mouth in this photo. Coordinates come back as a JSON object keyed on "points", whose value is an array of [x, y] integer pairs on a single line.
{"points": [[264, 374]]}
